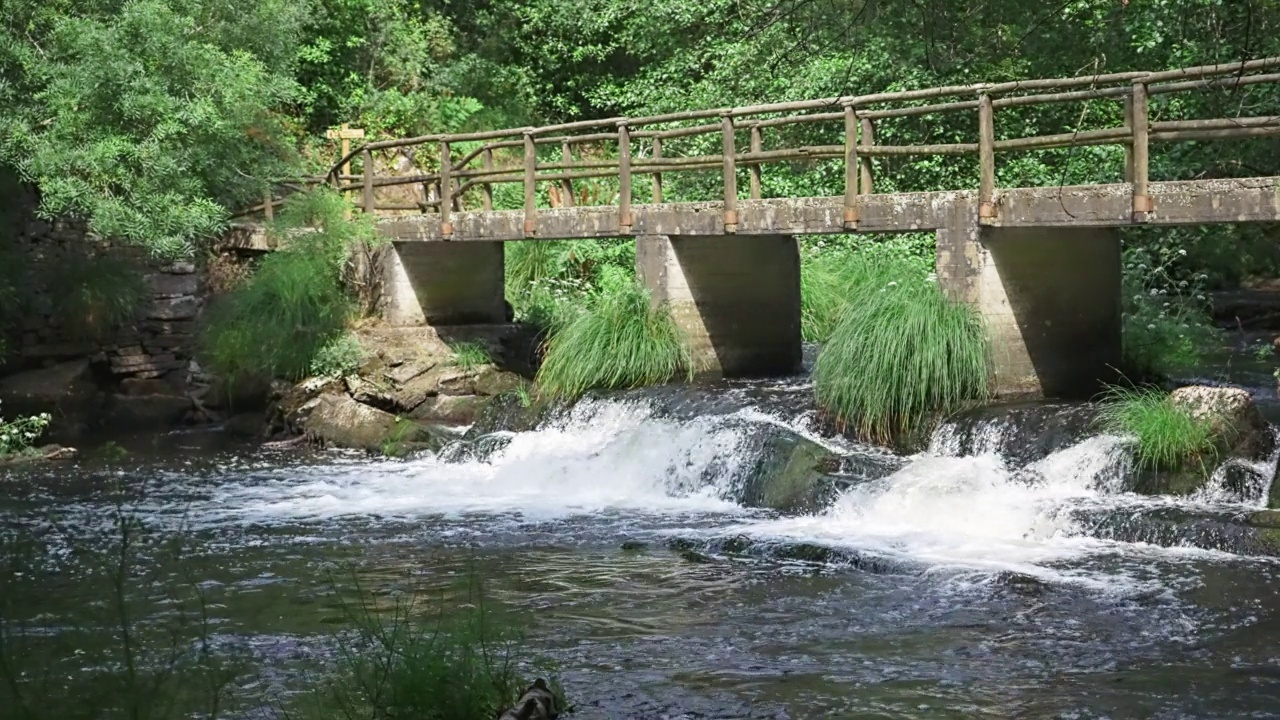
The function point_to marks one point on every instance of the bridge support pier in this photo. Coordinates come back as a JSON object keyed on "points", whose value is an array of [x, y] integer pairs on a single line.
{"points": [[737, 298], [444, 283], [1050, 298]]}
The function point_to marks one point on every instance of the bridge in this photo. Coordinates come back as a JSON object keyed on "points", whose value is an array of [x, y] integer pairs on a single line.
{"points": [[1041, 264]]}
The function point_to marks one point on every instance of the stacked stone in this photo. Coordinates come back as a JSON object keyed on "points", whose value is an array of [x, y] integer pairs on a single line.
{"points": [[162, 342]]}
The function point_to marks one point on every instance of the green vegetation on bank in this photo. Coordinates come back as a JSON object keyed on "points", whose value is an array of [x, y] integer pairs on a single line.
{"points": [[18, 435], [901, 354], [1168, 437], [291, 311], [620, 340]]}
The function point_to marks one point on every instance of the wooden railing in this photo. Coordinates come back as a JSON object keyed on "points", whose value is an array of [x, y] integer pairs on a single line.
{"points": [[641, 146]]}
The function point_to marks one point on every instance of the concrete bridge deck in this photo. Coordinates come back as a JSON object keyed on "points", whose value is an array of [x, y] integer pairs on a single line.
{"points": [[1041, 265]]}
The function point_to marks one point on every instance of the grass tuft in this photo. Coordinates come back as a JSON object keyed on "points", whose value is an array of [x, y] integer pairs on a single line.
{"points": [[1169, 437], [901, 356], [619, 341], [470, 355]]}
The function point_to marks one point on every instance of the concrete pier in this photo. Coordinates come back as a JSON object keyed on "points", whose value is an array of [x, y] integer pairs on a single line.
{"points": [[1050, 298], [444, 283], [737, 298]]}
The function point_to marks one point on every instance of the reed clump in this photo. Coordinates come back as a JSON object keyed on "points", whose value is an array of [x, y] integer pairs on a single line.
{"points": [[900, 356], [1169, 438], [618, 341]]}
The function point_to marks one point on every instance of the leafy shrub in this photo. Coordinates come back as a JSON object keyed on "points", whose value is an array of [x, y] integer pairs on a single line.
{"points": [[340, 357], [95, 296], [901, 356], [470, 355], [1167, 328], [276, 323], [1168, 437], [19, 434], [619, 341], [546, 281]]}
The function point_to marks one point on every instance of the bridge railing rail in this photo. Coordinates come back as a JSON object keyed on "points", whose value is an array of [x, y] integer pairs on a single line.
{"points": [[466, 167]]}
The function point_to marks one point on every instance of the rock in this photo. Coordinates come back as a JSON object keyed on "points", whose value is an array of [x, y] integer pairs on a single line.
{"points": [[509, 413], [339, 421], [450, 409], [135, 386], [790, 474], [491, 381], [1240, 427], [182, 308], [66, 390], [172, 285], [146, 412], [456, 381], [246, 425], [41, 454]]}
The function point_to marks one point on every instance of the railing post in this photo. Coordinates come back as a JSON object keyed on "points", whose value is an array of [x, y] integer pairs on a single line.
{"points": [[446, 191], [624, 178], [268, 210], [1141, 170], [868, 139], [366, 197], [657, 176], [486, 197], [850, 168], [986, 158], [1128, 146], [530, 186], [566, 185], [730, 176], [757, 145]]}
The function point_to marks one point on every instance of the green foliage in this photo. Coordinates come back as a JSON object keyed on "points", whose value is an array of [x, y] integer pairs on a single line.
{"points": [[1167, 328], [148, 118], [94, 296], [338, 358], [428, 662], [294, 305], [18, 435], [548, 281], [470, 355], [618, 341], [832, 267], [901, 356], [1169, 438]]}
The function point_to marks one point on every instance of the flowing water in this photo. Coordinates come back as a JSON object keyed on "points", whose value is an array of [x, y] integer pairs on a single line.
{"points": [[956, 583]]}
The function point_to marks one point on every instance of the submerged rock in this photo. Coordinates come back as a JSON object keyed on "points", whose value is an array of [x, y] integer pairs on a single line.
{"points": [[1021, 433]]}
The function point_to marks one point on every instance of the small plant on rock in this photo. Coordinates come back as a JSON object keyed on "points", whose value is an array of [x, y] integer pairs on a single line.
{"points": [[470, 355], [338, 358], [1169, 438]]}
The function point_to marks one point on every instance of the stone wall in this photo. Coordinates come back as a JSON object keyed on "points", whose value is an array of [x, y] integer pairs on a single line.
{"points": [[157, 344]]}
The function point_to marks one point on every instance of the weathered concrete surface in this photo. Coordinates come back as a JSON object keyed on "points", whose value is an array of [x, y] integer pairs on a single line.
{"points": [[1176, 203], [1050, 298], [736, 298], [444, 284]]}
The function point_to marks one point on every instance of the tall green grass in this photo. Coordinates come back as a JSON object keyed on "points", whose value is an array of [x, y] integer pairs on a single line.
{"points": [[1169, 438], [619, 341], [832, 268], [295, 304], [901, 355]]}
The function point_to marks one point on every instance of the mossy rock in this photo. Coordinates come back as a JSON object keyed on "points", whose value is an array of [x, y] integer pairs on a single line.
{"points": [[1170, 482], [511, 412], [791, 474]]}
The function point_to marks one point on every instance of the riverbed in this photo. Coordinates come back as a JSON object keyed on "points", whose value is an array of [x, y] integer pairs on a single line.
{"points": [[948, 586]]}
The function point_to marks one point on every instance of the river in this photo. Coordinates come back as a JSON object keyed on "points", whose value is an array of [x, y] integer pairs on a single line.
{"points": [[945, 586]]}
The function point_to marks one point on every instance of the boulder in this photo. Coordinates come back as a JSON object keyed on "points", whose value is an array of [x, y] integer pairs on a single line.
{"points": [[491, 381], [789, 473], [339, 421], [449, 409], [511, 413], [1237, 422], [64, 389], [146, 412]]}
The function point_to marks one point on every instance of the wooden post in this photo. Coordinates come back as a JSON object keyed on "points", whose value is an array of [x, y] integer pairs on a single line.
{"points": [[986, 158], [868, 139], [850, 168], [657, 177], [624, 178], [1128, 146], [1141, 169], [566, 185], [486, 197], [757, 145], [268, 209], [530, 186], [366, 199], [446, 191], [345, 133], [730, 177]]}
